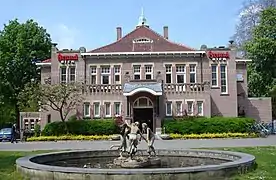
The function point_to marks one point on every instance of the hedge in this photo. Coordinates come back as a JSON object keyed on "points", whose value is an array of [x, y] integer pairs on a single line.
{"points": [[202, 125], [81, 127], [172, 136], [191, 125]]}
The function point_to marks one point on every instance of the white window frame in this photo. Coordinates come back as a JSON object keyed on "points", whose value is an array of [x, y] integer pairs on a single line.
{"points": [[89, 109], [187, 101], [105, 73], [135, 72], [69, 74], [150, 72], [226, 79], [93, 70], [168, 70], [117, 72], [217, 79], [202, 108], [105, 109], [169, 103], [180, 112], [120, 108], [192, 72], [61, 74], [94, 109], [182, 72]]}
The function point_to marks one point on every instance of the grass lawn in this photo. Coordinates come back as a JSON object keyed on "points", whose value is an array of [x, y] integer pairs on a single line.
{"points": [[266, 159]]}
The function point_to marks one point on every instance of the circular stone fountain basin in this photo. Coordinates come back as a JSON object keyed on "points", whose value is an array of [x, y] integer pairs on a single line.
{"points": [[186, 164]]}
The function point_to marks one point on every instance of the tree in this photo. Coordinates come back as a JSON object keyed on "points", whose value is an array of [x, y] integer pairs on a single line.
{"points": [[262, 49], [20, 44], [249, 17], [62, 98]]}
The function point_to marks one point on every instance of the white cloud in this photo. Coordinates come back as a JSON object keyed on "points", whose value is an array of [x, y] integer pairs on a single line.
{"points": [[65, 36]]}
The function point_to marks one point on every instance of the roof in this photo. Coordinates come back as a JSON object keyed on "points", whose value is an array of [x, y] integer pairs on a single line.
{"points": [[46, 60], [158, 43]]}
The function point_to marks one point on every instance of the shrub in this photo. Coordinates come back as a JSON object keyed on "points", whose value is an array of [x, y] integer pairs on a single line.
{"points": [[202, 125], [81, 127], [37, 130], [173, 136]]}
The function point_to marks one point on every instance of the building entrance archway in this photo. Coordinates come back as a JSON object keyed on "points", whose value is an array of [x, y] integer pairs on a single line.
{"points": [[143, 111]]}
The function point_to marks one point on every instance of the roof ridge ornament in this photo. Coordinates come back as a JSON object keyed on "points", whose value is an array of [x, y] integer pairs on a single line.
{"points": [[142, 19]]}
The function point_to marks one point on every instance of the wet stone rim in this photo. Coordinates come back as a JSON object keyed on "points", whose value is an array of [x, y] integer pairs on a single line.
{"points": [[237, 160]]}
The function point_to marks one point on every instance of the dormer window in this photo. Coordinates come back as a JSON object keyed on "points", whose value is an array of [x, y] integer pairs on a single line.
{"points": [[142, 40]]}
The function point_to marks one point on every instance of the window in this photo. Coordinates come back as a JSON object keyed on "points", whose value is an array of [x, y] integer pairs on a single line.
{"points": [[214, 68], [200, 108], [32, 124], [169, 109], [26, 123], [148, 71], [190, 107], [105, 75], [179, 108], [142, 40], [86, 109], [192, 73], [96, 109], [72, 74], [117, 74], [63, 74], [223, 79], [93, 74], [137, 71], [49, 118], [117, 108], [168, 73], [180, 74], [107, 110]]}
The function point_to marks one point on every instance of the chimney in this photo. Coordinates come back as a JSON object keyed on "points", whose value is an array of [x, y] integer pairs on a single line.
{"points": [[119, 33], [166, 32]]}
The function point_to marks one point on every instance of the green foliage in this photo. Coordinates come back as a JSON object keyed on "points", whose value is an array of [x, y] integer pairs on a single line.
{"points": [[20, 44], [37, 130], [262, 50], [203, 125], [81, 127]]}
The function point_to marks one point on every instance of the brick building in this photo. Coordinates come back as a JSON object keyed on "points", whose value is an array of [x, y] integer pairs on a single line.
{"points": [[146, 77]]}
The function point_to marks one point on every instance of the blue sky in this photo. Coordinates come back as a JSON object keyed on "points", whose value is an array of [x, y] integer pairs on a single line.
{"points": [[91, 23]]}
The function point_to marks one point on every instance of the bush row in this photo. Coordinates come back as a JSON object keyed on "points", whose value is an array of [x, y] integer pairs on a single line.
{"points": [[81, 127], [191, 125], [203, 125], [172, 136]]}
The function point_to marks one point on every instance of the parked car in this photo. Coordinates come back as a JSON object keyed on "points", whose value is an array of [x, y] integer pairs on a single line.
{"points": [[6, 134]]}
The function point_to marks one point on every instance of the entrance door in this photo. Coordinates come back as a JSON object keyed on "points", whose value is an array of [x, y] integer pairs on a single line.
{"points": [[144, 115], [143, 111]]}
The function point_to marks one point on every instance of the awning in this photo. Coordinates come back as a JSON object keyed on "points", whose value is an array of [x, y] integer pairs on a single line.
{"points": [[135, 87]]}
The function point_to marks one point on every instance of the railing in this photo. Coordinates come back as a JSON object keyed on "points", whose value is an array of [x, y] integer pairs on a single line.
{"points": [[184, 88], [117, 89], [104, 89]]}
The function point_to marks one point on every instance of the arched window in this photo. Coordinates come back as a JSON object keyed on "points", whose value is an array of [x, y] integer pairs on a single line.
{"points": [[143, 102], [142, 40]]}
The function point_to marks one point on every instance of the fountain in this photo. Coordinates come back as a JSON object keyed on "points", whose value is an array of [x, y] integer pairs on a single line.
{"points": [[134, 164]]}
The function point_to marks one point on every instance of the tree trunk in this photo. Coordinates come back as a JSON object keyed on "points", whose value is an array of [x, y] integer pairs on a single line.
{"points": [[17, 116], [63, 120]]}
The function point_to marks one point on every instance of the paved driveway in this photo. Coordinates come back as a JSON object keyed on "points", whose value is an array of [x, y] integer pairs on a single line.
{"points": [[159, 144]]}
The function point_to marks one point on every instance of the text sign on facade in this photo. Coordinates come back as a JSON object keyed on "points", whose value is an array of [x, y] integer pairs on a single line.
{"points": [[68, 57], [213, 55]]}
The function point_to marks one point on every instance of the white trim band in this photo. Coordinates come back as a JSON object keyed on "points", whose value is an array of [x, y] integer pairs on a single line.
{"points": [[143, 90], [144, 53]]}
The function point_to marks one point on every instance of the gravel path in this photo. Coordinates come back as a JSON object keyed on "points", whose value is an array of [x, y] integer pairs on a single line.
{"points": [[159, 144]]}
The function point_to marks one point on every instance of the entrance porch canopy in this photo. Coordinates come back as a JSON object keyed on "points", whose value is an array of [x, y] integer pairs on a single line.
{"points": [[132, 88]]}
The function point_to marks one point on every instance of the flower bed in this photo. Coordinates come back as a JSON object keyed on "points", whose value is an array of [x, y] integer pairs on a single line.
{"points": [[172, 136]]}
